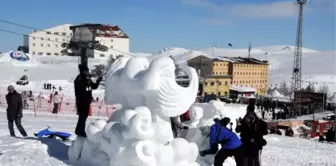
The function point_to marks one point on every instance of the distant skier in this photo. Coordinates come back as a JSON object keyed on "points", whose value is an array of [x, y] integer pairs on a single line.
{"points": [[83, 92], [56, 103], [230, 143], [14, 111], [25, 98]]}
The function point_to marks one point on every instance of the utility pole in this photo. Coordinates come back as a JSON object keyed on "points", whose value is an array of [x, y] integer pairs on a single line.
{"points": [[82, 40], [249, 50], [297, 63]]}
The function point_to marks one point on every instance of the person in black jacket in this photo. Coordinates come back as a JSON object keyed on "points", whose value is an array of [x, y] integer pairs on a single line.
{"points": [[252, 129], [83, 93], [14, 111]]}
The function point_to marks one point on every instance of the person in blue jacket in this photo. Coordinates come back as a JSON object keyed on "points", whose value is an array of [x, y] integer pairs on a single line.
{"points": [[230, 143]]}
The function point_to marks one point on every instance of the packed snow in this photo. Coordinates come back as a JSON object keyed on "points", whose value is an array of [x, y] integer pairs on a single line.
{"points": [[279, 151]]}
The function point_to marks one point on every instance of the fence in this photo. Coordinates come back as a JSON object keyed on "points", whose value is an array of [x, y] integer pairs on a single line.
{"points": [[43, 104]]}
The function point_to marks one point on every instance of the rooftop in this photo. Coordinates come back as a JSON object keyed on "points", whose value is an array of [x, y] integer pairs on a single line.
{"points": [[241, 60]]}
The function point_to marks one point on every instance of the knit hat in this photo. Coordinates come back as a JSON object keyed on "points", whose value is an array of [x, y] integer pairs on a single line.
{"points": [[250, 108], [82, 68], [10, 87], [225, 121]]}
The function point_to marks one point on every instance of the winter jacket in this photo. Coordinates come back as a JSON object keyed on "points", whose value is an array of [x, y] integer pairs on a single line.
{"points": [[185, 117], [221, 135], [252, 135], [56, 99], [83, 89], [14, 102]]}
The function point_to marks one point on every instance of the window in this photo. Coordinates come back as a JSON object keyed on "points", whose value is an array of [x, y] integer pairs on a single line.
{"points": [[205, 84], [41, 45], [41, 38], [226, 83], [225, 93], [56, 33], [33, 38], [56, 45], [212, 84], [48, 45], [48, 39], [48, 33], [56, 39], [33, 44], [70, 34], [63, 33], [48, 53], [111, 47], [219, 93], [63, 40], [56, 53], [111, 40], [102, 55], [40, 53], [33, 52]]}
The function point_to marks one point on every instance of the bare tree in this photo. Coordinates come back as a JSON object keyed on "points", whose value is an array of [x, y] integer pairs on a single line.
{"points": [[310, 88], [323, 89]]}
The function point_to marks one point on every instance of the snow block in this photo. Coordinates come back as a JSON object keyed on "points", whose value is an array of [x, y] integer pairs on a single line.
{"points": [[76, 148]]}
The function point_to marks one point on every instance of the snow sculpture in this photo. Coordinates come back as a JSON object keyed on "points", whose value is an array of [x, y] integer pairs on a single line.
{"points": [[139, 134], [201, 115]]}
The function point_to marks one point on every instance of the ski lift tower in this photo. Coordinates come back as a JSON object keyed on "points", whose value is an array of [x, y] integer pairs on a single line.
{"points": [[297, 63], [84, 38]]}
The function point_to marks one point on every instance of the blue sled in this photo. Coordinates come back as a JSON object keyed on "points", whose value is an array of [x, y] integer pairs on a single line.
{"points": [[51, 134]]}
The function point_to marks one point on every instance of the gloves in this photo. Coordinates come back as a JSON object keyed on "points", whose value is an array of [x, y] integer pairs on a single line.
{"points": [[185, 127], [202, 153]]}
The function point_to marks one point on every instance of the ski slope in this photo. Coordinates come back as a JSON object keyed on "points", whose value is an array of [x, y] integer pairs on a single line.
{"points": [[318, 66]]}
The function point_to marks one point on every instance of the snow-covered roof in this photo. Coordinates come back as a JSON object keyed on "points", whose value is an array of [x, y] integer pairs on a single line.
{"points": [[332, 99], [242, 89], [275, 94]]}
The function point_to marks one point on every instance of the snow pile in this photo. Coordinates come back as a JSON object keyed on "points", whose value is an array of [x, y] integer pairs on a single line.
{"points": [[139, 134], [179, 54], [18, 58]]}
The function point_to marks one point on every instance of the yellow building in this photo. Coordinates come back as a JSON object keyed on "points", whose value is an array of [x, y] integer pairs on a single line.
{"points": [[221, 73]]}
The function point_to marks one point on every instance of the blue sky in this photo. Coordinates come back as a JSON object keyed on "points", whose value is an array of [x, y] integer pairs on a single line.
{"points": [[194, 24]]}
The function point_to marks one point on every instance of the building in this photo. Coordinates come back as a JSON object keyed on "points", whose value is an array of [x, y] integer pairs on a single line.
{"points": [[225, 73], [49, 41]]}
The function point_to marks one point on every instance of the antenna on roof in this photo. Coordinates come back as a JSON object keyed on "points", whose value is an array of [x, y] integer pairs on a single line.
{"points": [[249, 50]]}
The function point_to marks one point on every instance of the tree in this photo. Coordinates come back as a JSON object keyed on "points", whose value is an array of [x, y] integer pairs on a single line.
{"points": [[323, 89], [310, 88], [283, 88]]}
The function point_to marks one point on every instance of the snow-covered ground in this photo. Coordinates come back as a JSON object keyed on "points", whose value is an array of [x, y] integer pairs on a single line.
{"points": [[279, 151]]}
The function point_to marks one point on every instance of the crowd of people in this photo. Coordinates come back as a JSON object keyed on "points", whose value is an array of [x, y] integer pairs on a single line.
{"points": [[49, 86]]}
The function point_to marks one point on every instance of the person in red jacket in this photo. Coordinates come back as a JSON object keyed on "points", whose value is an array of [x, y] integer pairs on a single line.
{"points": [[185, 117]]}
